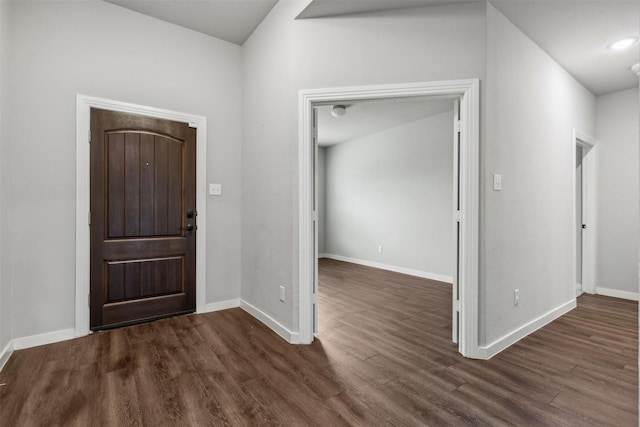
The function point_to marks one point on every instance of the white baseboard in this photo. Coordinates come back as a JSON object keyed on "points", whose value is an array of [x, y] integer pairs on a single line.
{"points": [[269, 321], [67, 334], [487, 352], [222, 305], [6, 354], [34, 341], [273, 324], [633, 296], [403, 270], [42, 339]]}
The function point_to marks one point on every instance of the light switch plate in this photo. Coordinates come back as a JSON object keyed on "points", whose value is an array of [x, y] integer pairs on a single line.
{"points": [[497, 182], [215, 189]]}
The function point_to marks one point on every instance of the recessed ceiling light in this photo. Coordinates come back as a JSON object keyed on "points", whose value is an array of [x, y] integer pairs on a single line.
{"points": [[623, 44]]}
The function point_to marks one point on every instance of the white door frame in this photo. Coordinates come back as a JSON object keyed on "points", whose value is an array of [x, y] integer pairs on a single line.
{"points": [[455, 225], [469, 92], [83, 121], [588, 145]]}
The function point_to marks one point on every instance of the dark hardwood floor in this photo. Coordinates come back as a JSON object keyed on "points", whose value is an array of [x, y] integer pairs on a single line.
{"points": [[383, 357]]}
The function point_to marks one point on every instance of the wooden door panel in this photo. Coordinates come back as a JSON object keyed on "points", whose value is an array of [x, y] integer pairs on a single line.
{"points": [[132, 189], [162, 276], [131, 281], [151, 180], [142, 185], [160, 202], [115, 184], [146, 186], [127, 312], [174, 188]]}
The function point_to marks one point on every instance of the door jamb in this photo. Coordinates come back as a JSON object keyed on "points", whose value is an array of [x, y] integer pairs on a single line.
{"points": [[84, 104], [469, 92], [588, 144]]}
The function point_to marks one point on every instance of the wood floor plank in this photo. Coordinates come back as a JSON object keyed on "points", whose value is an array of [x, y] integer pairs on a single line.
{"points": [[383, 356]]}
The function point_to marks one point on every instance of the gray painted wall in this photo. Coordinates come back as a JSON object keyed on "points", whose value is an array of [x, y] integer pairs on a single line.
{"points": [[394, 188], [60, 49], [284, 55], [617, 191], [527, 235]]}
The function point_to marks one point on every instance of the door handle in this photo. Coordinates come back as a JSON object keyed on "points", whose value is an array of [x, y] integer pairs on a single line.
{"points": [[189, 227]]}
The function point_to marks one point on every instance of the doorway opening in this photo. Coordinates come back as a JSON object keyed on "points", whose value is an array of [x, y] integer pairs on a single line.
{"points": [[580, 224], [386, 197], [465, 294], [84, 104], [585, 208]]}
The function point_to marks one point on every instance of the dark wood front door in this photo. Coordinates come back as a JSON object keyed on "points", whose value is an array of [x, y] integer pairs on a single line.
{"points": [[143, 230]]}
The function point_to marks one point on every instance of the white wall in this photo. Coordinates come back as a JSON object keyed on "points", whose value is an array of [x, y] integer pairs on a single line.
{"points": [[394, 188], [283, 56], [5, 288], [269, 208], [527, 234], [617, 189], [63, 48]]}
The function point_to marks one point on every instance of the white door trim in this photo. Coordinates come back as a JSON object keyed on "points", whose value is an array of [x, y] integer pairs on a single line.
{"points": [[588, 144], [469, 92], [455, 232], [83, 120]]}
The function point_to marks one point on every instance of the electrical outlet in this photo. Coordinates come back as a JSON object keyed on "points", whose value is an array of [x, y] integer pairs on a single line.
{"points": [[516, 296], [282, 293]]}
